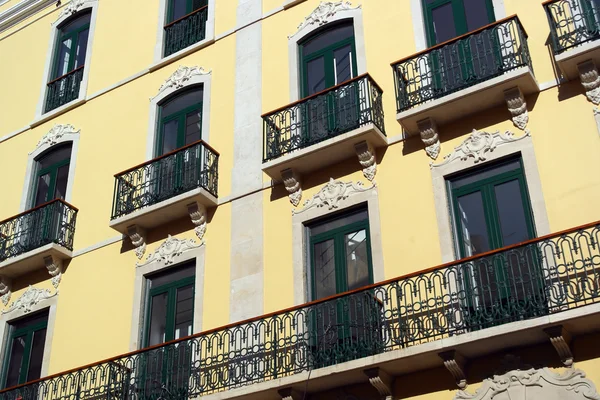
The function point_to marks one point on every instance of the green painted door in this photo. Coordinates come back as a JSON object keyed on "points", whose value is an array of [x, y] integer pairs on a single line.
{"points": [[492, 210], [328, 59], [458, 65], [340, 253], [169, 316]]}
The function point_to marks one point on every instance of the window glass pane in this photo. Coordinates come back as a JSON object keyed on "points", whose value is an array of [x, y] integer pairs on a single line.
{"points": [[172, 275], [476, 14], [443, 23], [473, 227], [182, 101], [324, 262], [357, 259], [15, 362], [169, 142], [179, 9], [76, 23], [82, 43], [54, 156], [192, 127], [343, 64], [331, 224], [158, 319], [37, 354], [513, 222], [61, 182], [41, 193], [35, 319], [487, 173], [64, 56], [327, 38], [315, 76], [196, 4], [184, 314]]}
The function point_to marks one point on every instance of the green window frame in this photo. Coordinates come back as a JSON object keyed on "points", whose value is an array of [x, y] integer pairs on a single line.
{"points": [[75, 37], [26, 332], [190, 7], [180, 116], [51, 170]]}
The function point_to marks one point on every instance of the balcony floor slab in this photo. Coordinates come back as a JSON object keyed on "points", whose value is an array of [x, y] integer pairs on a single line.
{"points": [[470, 100], [325, 153], [33, 260], [163, 212], [567, 61]]}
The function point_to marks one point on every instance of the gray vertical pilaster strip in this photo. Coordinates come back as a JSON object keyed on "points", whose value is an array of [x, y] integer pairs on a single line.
{"points": [[246, 292]]}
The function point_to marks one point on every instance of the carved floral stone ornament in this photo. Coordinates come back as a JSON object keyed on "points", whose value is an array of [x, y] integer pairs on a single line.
{"points": [[197, 212], [30, 298], [5, 292], [533, 384], [72, 7], [332, 194], [323, 14], [181, 76], [515, 101], [56, 133], [430, 137], [291, 181], [478, 144], [367, 159], [169, 249], [590, 80]]}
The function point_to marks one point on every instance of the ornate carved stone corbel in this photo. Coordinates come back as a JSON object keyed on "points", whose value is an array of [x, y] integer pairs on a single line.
{"points": [[291, 181], [561, 339], [197, 213], [290, 394], [430, 137], [588, 73], [381, 381], [138, 239], [5, 290], [55, 269], [367, 159], [455, 363], [515, 101]]}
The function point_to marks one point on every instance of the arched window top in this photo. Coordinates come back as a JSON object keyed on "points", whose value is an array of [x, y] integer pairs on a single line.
{"points": [[328, 36], [76, 21], [55, 154], [182, 100]]}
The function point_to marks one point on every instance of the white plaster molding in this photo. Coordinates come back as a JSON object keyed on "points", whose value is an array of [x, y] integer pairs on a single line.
{"points": [[55, 134], [455, 364], [58, 134], [197, 213], [21, 11], [169, 249], [367, 159], [332, 194], [535, 384], [323, 14], [590, 80], [55, 269], [5, 290], [137, 235], [73, 7], [291, 181], [561, 340], [381, 381], [478, 145], [430, 137], [515, 101], [29, 299], [180, 79]]}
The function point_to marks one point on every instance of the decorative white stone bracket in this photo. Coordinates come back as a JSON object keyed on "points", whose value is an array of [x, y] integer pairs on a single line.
{"points": [[515, 101], [590, 80], [55, 269], [5, 290], [381, 381], [561, 340], [290, 394], [455, 364], [367, 159], [138, 239], [197, 213], [430, 137], [291, 181]]}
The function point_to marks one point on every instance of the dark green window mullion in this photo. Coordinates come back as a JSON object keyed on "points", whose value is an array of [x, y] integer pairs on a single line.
{"points": [[28, 333], [52, 171], [74, 36]]}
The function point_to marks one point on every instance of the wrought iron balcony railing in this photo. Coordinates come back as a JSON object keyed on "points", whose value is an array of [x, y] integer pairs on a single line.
{"points": [[543, 276], [185, 31], [324, 115], [64, 89], [464, 61], [52, 222], [572, 22], [190, 167]]}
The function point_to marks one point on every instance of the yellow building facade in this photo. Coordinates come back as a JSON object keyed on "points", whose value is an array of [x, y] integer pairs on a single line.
{"points": [[294, 199]]}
